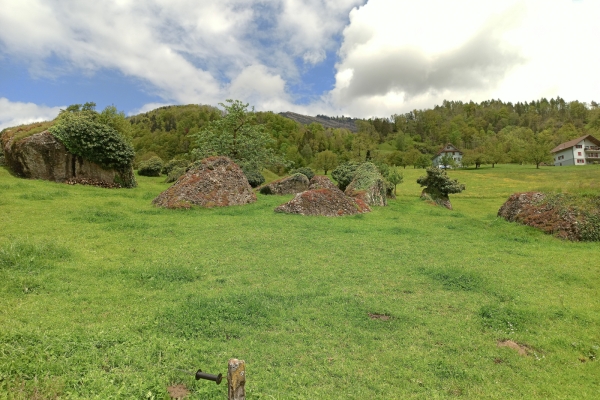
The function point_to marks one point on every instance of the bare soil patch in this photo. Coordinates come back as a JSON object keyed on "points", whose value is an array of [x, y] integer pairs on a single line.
{"points": [[381, 317], [178, 391], [522, 349]]}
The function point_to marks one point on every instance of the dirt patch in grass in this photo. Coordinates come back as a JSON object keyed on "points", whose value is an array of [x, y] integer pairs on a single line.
{"points": [[381, 317], [522, 349], [178, 391]]}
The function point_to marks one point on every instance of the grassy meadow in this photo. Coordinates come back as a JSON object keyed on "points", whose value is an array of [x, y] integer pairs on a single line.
{"points": [[104, 296]]}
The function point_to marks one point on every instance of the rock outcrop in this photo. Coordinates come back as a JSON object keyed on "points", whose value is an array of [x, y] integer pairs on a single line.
{"points": [[213, 182], [368, 185], [289, 185], [42, 156], [325, 202], [322, 182]]}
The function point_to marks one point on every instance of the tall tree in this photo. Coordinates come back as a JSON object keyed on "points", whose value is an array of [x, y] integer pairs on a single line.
{"points": [[237, 136]]}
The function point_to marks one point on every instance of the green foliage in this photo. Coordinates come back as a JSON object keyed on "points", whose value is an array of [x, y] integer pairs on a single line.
{"points": [[326, 160], [423, 161], [151, 167], [437, 180], [83, 134], [168, 167], [175, 173], [395, 177], [344, 174], [309, 173], [239, 137], [447, 161], [255, 178]]}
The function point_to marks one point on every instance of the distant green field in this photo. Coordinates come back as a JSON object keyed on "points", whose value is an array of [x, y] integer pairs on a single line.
{"points": [[105, 296]]}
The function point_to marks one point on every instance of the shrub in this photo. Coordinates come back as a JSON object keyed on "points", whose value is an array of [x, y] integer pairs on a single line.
{"points": [[255, 178], [175, 174], [2, 161], [171, 165], [437, 181], [151, 167], [304, 171], [84, 136], [344, 174]]}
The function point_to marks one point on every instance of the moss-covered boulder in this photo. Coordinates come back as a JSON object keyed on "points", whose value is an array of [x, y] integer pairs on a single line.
{"points": [[322, 182], [368, 185], [42, 156], [567, 216], [324, 202], [292, 184], [212, 182]]}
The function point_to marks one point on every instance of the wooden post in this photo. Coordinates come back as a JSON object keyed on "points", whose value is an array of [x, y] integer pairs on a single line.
{"points": [[236, 379]]}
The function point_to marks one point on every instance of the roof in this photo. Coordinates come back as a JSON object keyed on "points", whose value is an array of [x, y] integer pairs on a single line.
{"points": [[443, 150], [573, 142]]}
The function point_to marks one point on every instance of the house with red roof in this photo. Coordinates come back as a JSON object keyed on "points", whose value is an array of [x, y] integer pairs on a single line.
{"points": [[452, 151], [580, 151]]}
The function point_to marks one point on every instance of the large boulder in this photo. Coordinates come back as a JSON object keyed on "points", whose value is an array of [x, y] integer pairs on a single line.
{"points": [[289, 185], [534, 209], [213, 182], [42, 156], [368, 185], [322, 182], [325, 202]]}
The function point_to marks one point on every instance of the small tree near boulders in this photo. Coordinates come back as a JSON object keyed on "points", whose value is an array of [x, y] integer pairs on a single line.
{"points": [[395, 177], [438, 186], [326, 160]]}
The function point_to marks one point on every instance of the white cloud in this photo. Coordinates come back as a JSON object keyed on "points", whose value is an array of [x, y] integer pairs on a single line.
{"points": [[394, 56], [17, 113], [190, 51], [400, 55]]}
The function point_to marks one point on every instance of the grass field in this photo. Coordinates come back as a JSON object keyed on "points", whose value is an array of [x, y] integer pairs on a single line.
{"points": [[105, 296]]}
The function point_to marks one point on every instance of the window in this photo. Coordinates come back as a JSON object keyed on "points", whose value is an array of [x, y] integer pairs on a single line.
{"points": [[578, 153], [580, 161], [579, 146]]}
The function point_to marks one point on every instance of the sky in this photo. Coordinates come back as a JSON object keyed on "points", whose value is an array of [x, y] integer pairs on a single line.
{"points": [[356, 58]]}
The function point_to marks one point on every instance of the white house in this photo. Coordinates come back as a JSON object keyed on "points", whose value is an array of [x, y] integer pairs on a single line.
{"points": [[580, 151], [450, 150]]}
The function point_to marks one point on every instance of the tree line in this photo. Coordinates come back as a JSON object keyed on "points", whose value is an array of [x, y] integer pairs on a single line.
{"points": [[490, 132]]}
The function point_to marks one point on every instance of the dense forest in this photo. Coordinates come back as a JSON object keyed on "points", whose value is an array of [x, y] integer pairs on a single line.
{"points": [[489, 132]]}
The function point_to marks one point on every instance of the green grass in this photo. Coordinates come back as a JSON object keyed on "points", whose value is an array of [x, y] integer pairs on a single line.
{"points": [[105, 296]]}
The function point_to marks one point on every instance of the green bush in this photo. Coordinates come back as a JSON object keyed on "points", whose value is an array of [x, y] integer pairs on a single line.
{"points": [[255, 178], [344, 174], [84, 136], [437, 181], [151, 167], [168, 167], [175, 174], [304, 171]]}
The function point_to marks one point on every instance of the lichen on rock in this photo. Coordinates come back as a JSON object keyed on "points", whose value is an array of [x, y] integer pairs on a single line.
{"points": [[292, 184], [212, 182], [324, 202], [565, 216]]}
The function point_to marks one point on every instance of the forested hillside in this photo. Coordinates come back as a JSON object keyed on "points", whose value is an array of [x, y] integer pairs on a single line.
{"points": [[488, 132]]}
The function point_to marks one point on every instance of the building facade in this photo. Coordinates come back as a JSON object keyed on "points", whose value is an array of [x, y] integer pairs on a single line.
{"points": [[580, 151], [450, 150]]}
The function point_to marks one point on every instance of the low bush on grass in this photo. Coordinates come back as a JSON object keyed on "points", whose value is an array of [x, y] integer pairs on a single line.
{"points": [[151, 167], [255, 178]]}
